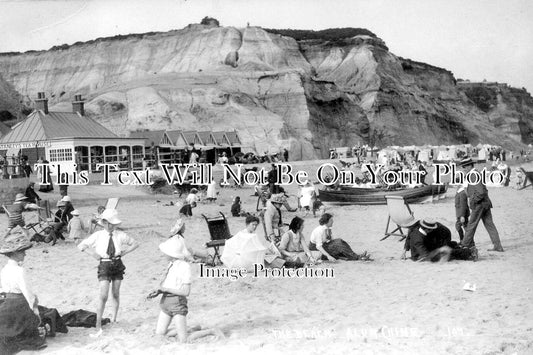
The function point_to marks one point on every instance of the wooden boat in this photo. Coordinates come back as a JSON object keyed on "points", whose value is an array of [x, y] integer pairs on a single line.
{"points": [[344, 197]]}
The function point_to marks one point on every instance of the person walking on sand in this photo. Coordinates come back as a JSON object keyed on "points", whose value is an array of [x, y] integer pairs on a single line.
{"points": [[480, 206], [108, 246]]}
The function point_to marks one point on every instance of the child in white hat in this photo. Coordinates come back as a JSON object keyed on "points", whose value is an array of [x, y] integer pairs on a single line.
{"points": [[175, 288], [75, 227]]}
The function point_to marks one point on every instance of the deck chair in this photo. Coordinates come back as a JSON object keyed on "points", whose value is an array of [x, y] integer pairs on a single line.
{"points": [[112, 203], [45, 217], [219, 231], [400, 214], [528, 176]]}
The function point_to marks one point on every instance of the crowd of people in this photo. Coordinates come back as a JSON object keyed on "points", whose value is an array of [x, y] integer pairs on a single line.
{"points": [[285, 245]]}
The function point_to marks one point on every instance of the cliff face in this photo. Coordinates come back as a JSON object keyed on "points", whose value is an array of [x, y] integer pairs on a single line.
{"points": [[310, 95]]}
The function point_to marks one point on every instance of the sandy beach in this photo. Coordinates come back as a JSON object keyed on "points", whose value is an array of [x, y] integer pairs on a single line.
{"points": [[387, 306]]}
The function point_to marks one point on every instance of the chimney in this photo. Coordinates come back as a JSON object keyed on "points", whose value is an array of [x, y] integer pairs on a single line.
{"points": [[77, 105], [41, 103]]}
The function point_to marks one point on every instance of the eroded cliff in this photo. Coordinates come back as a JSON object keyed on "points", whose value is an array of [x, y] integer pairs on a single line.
{"points": [[308, 95]]}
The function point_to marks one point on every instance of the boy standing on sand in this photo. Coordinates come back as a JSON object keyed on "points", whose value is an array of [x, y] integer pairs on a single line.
{"points": [[108, 246], [462, 212]]}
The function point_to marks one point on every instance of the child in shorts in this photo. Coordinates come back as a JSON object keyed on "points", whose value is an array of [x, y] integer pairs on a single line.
{"points": [[175, 288]]}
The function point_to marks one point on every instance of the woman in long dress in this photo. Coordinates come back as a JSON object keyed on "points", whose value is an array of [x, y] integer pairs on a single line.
{"points": [[332, 249], [293, 247], [211, 194], [19, 315]]}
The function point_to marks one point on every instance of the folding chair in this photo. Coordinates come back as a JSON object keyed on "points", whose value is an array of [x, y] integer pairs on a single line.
{"points": [[112, 203], [528, 176], [219, 231], [44, 214], [400, 214]]}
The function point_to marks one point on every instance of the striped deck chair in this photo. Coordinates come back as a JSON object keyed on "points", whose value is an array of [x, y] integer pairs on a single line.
{"points": [[400, 214]]}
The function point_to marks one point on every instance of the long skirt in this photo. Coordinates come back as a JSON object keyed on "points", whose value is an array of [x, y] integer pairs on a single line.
{"points": [[19, 325], [338, 249]]}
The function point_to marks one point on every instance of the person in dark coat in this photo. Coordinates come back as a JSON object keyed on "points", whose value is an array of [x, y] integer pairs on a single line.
{"points": [[273, 180], [462, 212], [431, 241], [32, 196], [61, 219], [480, 206]]}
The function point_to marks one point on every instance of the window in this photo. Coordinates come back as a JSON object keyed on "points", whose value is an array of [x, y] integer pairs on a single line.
{"points": [[137, 155], [63, 154]]}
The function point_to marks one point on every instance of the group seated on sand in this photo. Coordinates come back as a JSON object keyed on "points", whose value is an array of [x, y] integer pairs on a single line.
{"points": [[427, 240]]}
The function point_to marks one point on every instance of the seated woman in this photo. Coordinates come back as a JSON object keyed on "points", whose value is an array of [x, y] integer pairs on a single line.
{"points": [[19, 328], [293, 247], [331, 249]]}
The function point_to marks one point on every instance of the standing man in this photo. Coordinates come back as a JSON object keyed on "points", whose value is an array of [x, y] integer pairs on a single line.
{"points": [[480, 206], [285, 155], [108, 246]]}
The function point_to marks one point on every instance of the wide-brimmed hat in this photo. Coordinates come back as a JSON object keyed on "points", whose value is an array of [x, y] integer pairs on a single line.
{"points": [[174, 247], [61, 203], [14, 245], [20, 197], [178, 226], [75, 213], [428, 223], [66, 199], [465, 162], [110, 216], [278, 198]]}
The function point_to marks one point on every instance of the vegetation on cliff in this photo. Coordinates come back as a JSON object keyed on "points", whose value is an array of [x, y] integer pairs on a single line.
{"points": [[330, 34]]}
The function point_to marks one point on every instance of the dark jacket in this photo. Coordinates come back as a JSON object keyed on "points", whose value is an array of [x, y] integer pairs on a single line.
{"points": [[417, 245], [478, 196], [461, 205], [31, 195], [421, 245]]}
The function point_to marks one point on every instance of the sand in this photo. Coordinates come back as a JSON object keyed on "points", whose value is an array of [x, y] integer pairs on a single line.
{"points": [[387, 306]]}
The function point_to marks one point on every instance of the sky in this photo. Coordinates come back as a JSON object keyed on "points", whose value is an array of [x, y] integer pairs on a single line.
{"points": [[475, 39]]}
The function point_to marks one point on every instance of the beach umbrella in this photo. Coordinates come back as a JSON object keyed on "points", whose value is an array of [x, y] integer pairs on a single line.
{"points": [[243, 250]]}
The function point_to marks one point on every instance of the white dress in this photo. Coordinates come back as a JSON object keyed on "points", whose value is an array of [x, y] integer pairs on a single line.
{"points": [[307, 196], [211, 190]]}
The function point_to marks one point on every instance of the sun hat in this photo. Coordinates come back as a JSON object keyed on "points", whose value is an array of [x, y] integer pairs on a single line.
{"points": [[466, 161], [61, 203], [178, 226], [66, 199], [110, 216], [277, 198], [428, 223], [14, 245], [20, 197], [174, 247], [75, 213]]}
